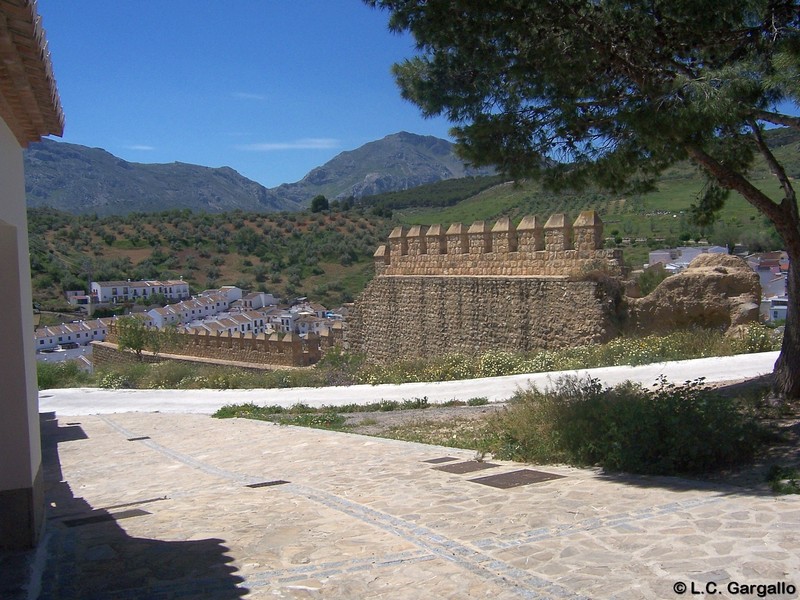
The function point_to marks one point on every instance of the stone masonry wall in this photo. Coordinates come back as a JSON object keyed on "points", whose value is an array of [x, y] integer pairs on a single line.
{"points": [[479, 289], [405, 316], [555, 248], [276, 349], [108, 355]]}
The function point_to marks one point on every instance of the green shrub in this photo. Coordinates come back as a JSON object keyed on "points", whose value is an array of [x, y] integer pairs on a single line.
{"points": [[133, 376], [319, 420], [650, 278], [242, 411], [478, 401], [340, 368], [784, 480], [668, 430], [172, 374], [756, 337], [454, 402], [414, 403], [60, 375]]}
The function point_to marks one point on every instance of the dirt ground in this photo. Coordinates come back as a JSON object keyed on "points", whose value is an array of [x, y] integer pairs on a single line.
{"points": [[785, 452], [375, 423]]}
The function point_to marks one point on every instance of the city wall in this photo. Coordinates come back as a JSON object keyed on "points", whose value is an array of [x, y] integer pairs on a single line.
{"points": [[556, 248], [478, 289], [275, 350]]}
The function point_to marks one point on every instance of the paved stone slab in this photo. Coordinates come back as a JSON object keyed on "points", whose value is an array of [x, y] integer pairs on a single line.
{"points": [[363, 517]]}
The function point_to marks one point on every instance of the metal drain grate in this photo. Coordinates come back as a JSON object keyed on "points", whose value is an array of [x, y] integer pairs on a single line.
{"points": [[513, 479], [466, 467], [436, 461], [136, 439], [266, 483], [126, 514]]}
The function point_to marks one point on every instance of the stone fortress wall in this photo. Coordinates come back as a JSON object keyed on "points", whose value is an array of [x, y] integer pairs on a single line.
{"points": [[531, 249], [276, 349], [472, 290]]}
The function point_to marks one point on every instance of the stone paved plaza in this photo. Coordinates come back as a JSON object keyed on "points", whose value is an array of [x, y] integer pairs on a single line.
{"points": [[144, 506]]}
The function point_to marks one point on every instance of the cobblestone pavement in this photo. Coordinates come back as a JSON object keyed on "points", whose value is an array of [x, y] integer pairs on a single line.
{"points": [[145, 506]]}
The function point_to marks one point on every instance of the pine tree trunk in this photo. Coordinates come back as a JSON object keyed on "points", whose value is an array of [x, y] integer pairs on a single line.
{"points": [[787, 367]]}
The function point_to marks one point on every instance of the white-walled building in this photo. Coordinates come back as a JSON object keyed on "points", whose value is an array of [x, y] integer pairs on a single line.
{"points": [[197, 308], [115, 292], [256, 300], [29, 109], [306, 324], [774, 309], [81, 333], [772, 269], [231, 292], [677, 259]]}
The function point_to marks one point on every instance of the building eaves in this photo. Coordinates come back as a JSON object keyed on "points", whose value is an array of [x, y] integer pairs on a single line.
{"points": [[29, 101]]}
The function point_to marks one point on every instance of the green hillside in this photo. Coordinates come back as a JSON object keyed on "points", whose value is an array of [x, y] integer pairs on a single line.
{"points": [[325, 256], [328, 256], [657, 219]]}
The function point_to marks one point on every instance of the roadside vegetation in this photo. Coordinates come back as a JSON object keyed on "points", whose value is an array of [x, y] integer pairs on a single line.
{"points": [[689, 429], [65, 374], [341, 368], [289, 416], [667, 430]]}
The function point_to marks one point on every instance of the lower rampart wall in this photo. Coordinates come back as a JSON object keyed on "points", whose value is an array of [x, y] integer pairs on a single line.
{"points": [[399, 316], [276, 349], [107, 355]]}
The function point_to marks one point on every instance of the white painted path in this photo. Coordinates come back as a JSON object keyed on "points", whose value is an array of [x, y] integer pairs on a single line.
{"points": [[86, 401]]}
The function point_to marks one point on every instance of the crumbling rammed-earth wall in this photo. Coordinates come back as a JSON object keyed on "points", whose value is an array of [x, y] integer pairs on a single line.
{"points": [[475, 290]]}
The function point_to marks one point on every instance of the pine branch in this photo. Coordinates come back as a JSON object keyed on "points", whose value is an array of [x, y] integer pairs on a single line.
{"points": [[777, 169], [733, 180], [777, 118]]}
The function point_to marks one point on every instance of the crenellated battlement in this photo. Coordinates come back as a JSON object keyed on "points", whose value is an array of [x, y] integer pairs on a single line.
{"points": [[274, 349], [557, 248]]}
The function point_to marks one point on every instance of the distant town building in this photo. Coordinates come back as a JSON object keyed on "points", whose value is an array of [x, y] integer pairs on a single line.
{"points": [[676, 260], [773, 272], [231, 292], [116, 292], [80, 333], [774, 309], [255, 300]]}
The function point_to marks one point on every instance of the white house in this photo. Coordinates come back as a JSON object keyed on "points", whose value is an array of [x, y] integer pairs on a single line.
{"points": [[772, 269], [677, 259], [309, 308], [29, 109], [231, 293], [306, 324], [190, 310], [774, 309], [164, 316], [774, 285], [115, 292], [256, 300], [282, 321], [81, 333]]}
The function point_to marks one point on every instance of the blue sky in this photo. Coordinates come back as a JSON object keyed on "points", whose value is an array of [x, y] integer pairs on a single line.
{"points": [[272, 88]]}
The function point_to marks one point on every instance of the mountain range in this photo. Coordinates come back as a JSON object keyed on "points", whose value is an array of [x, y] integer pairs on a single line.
{"points": [[79, 180]]}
